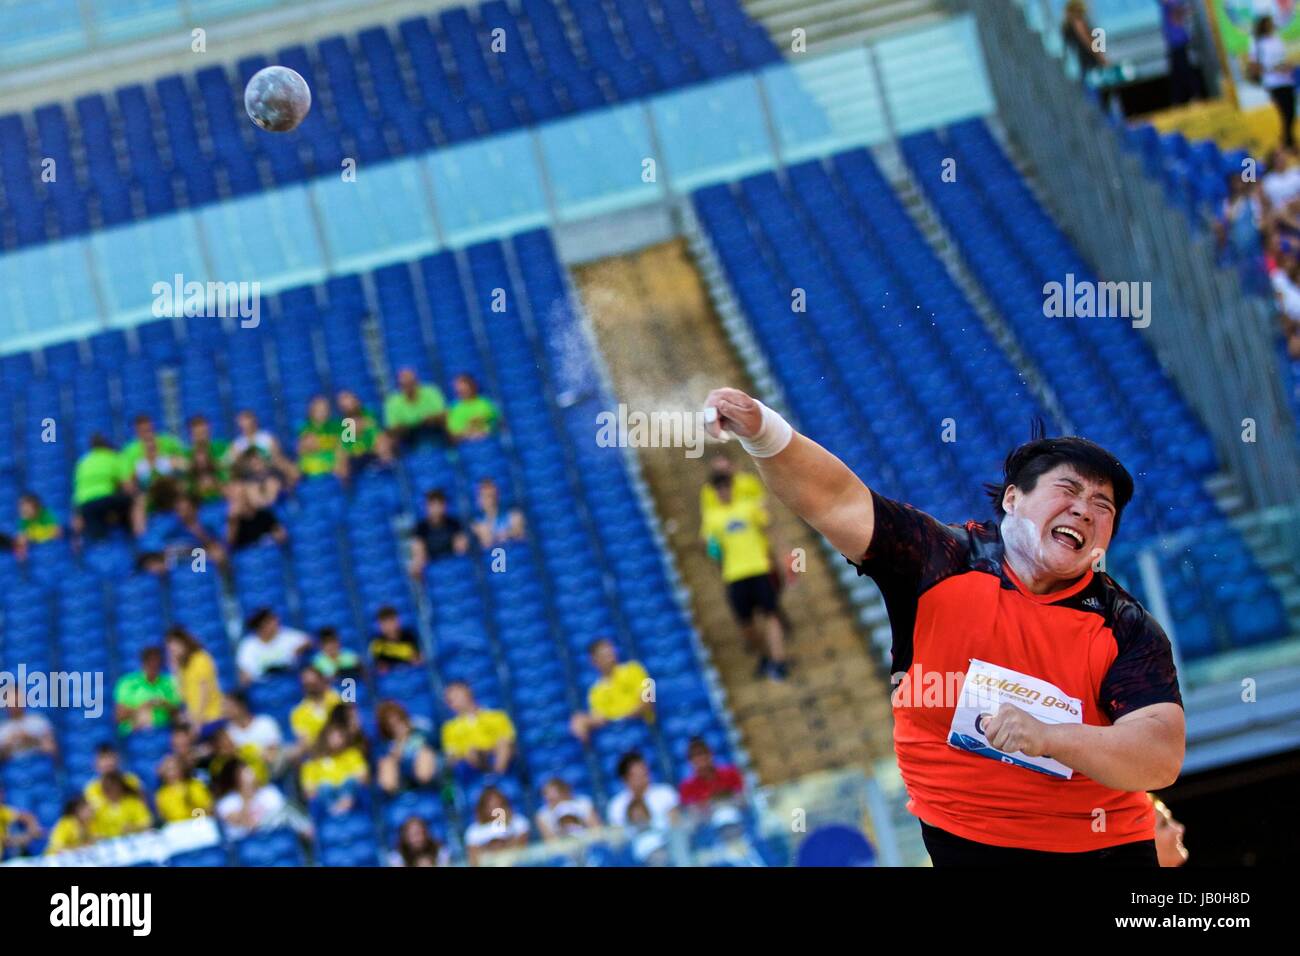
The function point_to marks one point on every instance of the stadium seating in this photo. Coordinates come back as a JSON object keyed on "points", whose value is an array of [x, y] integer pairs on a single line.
{"points": [[822, 232], [184, 142], [518, 636]]}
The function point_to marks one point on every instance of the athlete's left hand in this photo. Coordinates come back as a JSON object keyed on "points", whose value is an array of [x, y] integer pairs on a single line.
{"points": [[1011, 730]]}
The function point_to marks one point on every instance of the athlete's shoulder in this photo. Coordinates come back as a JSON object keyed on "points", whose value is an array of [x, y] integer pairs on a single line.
{"points": [[1124, 614]]}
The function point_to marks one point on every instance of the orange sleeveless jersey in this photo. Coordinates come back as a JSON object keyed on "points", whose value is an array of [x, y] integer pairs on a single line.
{"points": [[951, 598]]}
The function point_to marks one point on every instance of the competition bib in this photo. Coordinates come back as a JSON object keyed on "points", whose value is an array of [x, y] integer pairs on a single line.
{"points": [[988, 686]]}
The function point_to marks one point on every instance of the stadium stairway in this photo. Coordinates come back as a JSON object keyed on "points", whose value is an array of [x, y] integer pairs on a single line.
{"points": [[834, 710], [836, 23]]}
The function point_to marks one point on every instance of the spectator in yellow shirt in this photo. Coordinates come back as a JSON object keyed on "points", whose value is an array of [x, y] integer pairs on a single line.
{"points": [[738, 529], [18, 829], [476, 739], [122, 811], [181, 793], [746, 486], [333, 778], [72, 831], [622, 692], [107, 762], [196, 673], [311, 714]]}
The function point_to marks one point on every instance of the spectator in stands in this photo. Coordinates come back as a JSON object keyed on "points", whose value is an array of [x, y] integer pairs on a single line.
{"points": [[313, 711], [99, 491], [269, 647], [169, 530], [745, 486], [121, 811], [435, 536], [660, 799], [72, 831], [346, 717], [196, 674], [18, 829], [362, 437], [393, 645], [416, 846], [186, 748], [1088, 50], [151, 453], [1176, 25], [252, 437], [496, 826], [334, 660], [107, 762], [147, 698], [37, 525], [206, 466], [1169, 835], [477, 738], [1241, 219], [739, 530], [1269, 65], [708, 782], [245, 803], [472, 416], [415, 413], [253, 737], [226, 752], [251, 496], [494, 527], [320, 442], [410, 761], [562, 813], [180, 794], [334, 778], [622, 692], [21, 731]]}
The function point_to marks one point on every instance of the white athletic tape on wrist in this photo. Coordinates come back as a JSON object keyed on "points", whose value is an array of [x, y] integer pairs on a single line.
{"points": [[773, 435]]}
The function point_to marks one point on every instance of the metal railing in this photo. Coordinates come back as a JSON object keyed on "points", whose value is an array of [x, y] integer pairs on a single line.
{"points": [[1218, 343]]}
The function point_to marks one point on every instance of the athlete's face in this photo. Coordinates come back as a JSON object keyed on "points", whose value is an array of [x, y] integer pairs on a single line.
{"points": [[1063, 525]]}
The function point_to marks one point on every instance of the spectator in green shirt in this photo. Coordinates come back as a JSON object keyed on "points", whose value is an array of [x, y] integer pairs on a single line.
{"points": [[206, 461], [415, 412], [148, 697], [320, 442], [99, 491], [151, 453], [363, 439], [472, 416], [36, 523]]}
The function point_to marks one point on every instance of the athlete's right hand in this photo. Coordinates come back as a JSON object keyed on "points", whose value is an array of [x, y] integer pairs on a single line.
{"points": [[737, 413]]}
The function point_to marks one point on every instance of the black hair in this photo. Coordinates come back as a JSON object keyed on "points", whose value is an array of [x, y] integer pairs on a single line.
{"points": [[698, 745], [628, 761], [437, 494], [591, 648], [258, 618], [1041, 454], [1261, 23], [385, 612]]}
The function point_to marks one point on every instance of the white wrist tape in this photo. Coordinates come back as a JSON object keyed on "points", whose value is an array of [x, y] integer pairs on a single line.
{"points": [[772, 437]]}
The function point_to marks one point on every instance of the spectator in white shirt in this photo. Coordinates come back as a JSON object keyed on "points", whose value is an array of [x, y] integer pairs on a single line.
{"points": [[269, 646], [22, 731], [246, 806], [660, 800], [496, 826], [1270, 67], [564, 814], [258, 731]]}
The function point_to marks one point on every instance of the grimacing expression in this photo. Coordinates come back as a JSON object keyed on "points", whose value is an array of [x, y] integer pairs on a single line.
{"points": [[1073, 516]]}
